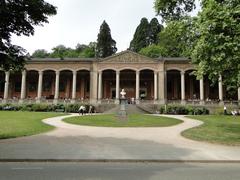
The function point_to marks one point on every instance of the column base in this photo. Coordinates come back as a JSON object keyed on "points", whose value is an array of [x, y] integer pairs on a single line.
{"points": [[202, 102], [5, 101], [183, 102], [93, 101], [137, 101], [117, 101], [99, 101], [162, 101], [73, 101], [21, 101], [55, 101], [221, 103]]}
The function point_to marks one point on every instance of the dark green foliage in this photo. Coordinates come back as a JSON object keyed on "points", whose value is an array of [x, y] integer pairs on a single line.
{"points": [[141, 36], [173, 9], [60, 51], [146, 34], [183, 110], [40, 53], [154, 51], [154, 29], [71, 108], [19, 17], [106, 46]]}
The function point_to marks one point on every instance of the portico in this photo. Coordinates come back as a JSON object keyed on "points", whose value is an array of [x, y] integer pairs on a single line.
{"points": [[146, 80]]}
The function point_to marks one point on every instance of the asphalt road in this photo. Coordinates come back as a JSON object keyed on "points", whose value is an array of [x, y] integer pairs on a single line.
{"points": [[107, 171]]}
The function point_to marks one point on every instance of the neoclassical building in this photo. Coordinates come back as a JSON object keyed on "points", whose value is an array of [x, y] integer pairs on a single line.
{"points": [[92, 80]]}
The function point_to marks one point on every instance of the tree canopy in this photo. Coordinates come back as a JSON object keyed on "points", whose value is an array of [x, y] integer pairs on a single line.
{"points": [[19, 17], [106, 46], [146, 34], [61, 51], [212, 41]]}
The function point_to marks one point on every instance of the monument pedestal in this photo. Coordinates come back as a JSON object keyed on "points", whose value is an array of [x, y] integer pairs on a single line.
{"points": [[122, 112]]}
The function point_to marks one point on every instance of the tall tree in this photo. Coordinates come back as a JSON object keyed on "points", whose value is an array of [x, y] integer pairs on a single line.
{"points": [[154, 29], [141, 36], [106, 46], [19, 17], [218, 47], [173, 9]]}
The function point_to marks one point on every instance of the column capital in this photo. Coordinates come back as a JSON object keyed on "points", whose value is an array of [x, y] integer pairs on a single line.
{"points": [[7, 73], [182, 72], [99, 72], [57, 72], [74, 72], [40, 72], [117, 72], [137, 72], [24, 72]]}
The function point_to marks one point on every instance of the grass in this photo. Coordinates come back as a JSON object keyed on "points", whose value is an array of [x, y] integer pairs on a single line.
{"points": [[133, 120], [218, 129], [16, 124]]}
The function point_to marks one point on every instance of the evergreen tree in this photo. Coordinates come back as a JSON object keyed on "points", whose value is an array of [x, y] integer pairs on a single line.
{"points": [[154, 29], [141, 36], [106, 46]]}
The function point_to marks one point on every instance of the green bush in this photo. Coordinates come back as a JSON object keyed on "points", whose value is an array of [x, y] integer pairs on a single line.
{"points": [[72, 108], [183, 110]]}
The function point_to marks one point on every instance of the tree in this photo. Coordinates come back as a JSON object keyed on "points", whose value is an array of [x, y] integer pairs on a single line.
{"points": [[40, 53], [154, 29], [173, 9], [179, 37], [154, 51], [106, 46], [19, 17], [218, 47], [146, 34], [141, 36]]}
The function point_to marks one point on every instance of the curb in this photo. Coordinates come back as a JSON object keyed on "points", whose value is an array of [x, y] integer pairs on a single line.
{"points": [[116, 161]]}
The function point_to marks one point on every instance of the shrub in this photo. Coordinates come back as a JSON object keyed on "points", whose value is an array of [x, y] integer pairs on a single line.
{"points": [[183, 110]]}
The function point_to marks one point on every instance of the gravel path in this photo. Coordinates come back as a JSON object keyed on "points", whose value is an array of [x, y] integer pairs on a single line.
{"points": [[70, 141]]}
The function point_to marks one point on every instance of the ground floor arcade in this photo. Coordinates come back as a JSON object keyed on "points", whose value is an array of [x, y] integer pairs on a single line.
{"points": [[143, 85]]}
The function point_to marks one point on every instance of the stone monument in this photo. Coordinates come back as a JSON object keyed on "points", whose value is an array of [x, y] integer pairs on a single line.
{"points": [[123, 101]]}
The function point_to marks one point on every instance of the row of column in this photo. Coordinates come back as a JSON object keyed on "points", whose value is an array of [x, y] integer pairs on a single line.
{"points": [[159, 86], [137, 86], [40, 82]]}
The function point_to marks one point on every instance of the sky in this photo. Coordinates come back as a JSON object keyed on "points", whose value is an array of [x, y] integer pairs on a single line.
{"points": [[78, 21]]}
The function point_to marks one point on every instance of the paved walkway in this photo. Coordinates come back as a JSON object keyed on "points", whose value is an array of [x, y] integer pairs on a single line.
{"points": [[70, 141]]}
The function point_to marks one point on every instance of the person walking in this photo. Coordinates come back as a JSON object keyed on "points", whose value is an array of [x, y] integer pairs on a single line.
{"points": [[81, 110]]}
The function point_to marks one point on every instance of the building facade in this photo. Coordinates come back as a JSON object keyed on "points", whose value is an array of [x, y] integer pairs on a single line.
{"points": [[145, 80]]}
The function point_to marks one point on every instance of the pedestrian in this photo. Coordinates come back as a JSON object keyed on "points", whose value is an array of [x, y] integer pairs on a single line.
{"points": [[81, 110], [225, 110], [90, 109]]}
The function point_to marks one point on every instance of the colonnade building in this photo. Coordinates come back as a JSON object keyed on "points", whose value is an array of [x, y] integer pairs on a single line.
{"points": [[92, 80]]}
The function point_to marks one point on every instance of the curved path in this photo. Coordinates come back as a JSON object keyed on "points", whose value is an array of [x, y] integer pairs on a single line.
{"points": [[69, 141], [163, 135]]}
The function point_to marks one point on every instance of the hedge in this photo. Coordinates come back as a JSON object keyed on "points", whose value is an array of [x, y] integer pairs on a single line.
{"points": [[183, 110], [71, 108]]}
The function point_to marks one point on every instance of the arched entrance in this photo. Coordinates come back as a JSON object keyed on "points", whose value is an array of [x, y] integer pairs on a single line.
{"points": [[192, 86], [128, 82], [109, 84], [83, 85], [65, 84], [2, 83], [173, 85], [31, 84], [48, 85], [146, 85]]}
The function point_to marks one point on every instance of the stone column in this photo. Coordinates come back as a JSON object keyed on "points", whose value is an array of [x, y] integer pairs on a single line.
{"points": [[99, 86], [56, 95], [162, 86], [137, 85], [6, 86], [40, 79], [220, 89], [239, 95], [201, 81], [117, 86], [74, 84], [155, 86], [23, 86], [183, 87], [93, 86]]}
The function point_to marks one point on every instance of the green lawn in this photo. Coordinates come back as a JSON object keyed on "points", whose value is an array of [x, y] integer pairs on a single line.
{"points": [[134, 120], [15, 124], [216, 129]]}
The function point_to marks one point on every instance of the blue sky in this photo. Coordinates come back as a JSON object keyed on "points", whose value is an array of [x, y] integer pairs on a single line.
{"points": [[78, 21]]}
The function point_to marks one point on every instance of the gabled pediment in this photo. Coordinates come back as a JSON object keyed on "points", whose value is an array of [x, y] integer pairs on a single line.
{"points": [[128, 57]]}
